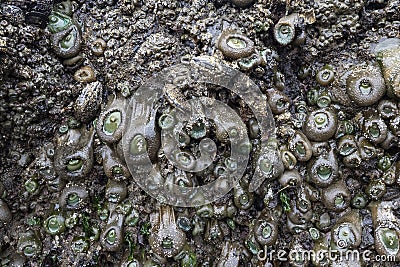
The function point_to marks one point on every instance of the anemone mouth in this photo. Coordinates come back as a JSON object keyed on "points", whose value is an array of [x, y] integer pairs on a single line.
{"points": [[167, 243], [347, 149], [185, 159], [74, 164], [325, 76], [236, 43], [54, 224], [324, 172], [73, 199], [30, 250], [321, 120], [345, 236], [339, 200], [58, 22], [374, 130], [111, 122], [166, 121], [389, 239], [138, 145], [111, 236], [69, 39], [264, 231], [284, 33], [365, 87], [266, 166]]}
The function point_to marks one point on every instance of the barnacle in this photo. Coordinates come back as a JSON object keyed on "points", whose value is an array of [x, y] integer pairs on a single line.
{"points": [[85, 75], [242, 3], [88, 101], [99, 46]]}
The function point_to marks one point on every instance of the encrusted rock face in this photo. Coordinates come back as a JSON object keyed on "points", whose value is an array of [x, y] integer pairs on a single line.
{"points": [[388, 55], [198, 133]]}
